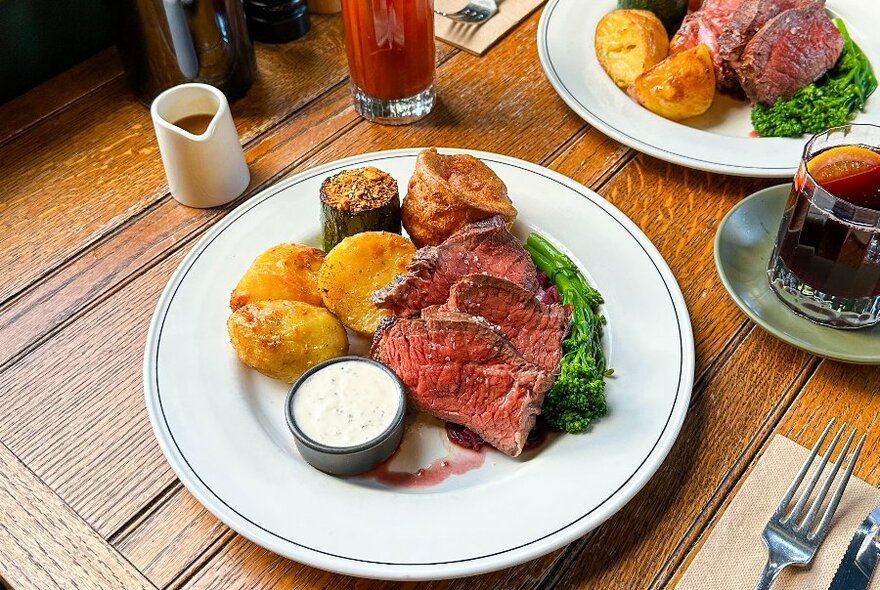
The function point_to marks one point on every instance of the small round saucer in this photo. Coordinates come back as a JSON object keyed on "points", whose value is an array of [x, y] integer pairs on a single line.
{"points": [[743, 245]]}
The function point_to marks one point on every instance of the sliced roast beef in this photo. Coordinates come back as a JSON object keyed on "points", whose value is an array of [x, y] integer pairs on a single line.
{"points": [[483, 247], [788, 52], [745, 21], [535, 329], [462, 369], [705, 26]]}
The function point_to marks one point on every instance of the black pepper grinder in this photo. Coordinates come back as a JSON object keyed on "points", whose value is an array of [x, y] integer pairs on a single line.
{"points": [[164, 43], [277, 21]]}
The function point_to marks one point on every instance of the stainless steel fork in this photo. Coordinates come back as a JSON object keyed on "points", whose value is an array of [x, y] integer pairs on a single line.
{"points": [[476, 12], [792, 540]]}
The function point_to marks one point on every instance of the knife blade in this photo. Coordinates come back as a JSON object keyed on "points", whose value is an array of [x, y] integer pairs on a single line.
{"points": [[857, 565]]}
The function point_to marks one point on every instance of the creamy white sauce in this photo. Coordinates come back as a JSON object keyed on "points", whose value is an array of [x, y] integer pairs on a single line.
{"points": [[346, 403]]}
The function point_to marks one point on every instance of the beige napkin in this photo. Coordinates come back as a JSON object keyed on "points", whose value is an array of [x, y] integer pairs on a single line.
{"points": [[478, 39], [734, 554]]}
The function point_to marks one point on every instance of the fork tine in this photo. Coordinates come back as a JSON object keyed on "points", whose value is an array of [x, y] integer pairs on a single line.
{"points": [[805, 495], [789, 494], [838, 493], [807, 524]]}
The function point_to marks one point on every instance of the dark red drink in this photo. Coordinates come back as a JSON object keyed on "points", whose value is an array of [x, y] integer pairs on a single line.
{"points": [[826, 265], [390, 45], [830, 252]]}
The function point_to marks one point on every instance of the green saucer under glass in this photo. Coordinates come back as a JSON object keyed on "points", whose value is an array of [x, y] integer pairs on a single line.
{"points": [[743, 245]]}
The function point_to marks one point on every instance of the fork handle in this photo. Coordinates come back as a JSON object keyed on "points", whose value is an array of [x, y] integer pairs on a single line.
{"points": [[769, 575]]}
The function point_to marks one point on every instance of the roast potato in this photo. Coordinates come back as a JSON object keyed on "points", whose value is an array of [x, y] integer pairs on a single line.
{"points": [[448, 192], [285, 271], [281, 339], [628, 42], [680, 86], [356, 267]]}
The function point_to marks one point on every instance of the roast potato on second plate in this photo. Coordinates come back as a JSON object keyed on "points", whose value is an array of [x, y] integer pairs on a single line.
{"points": [[285, 271], [628, 42], [281, 339], [357, 266], [680, 86]]}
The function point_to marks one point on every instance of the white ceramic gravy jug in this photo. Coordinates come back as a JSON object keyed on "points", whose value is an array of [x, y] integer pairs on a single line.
{"points": [[205, 169]]}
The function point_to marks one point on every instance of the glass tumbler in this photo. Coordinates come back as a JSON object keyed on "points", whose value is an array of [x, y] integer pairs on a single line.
{"points": [[826, 262], [390, 46]]}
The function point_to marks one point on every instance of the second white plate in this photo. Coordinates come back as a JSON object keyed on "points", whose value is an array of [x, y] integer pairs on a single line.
{"points": [[717, 141]]}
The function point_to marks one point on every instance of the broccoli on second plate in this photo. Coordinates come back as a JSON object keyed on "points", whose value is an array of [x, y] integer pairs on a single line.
{"points": [[831, 101]]}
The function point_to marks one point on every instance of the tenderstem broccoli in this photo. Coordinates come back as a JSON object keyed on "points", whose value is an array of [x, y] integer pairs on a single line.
{"points": [[578, 395]]}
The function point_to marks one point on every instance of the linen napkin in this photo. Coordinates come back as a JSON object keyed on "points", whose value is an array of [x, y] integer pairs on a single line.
{"points": [[478, 39], [734, 555]]}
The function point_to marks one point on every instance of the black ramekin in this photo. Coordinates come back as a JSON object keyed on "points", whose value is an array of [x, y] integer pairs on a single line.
{"points": [[347, 460]]}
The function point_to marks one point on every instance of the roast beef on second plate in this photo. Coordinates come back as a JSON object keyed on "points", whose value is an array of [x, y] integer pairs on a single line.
{"points": [[535, 330], [745, 21], [483, 247], [788, 52], [462, 369], [705, 26]]}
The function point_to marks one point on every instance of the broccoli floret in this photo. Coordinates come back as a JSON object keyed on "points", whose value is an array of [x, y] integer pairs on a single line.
{"points": [[577, 397], [812, 109], [830, 102]]}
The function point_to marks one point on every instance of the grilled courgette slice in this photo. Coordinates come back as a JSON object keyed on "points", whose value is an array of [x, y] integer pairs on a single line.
{"points": [[358, 200]]}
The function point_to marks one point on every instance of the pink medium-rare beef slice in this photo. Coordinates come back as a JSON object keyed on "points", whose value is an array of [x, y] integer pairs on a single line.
{"points": [[790, 51], [463, 370], [705, 26], [483, 247], [535, 330], [746, 20]]}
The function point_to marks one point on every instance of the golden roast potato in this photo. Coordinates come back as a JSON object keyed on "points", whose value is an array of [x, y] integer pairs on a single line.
{"points": [[281, 339], [680, 86], [285, 271], [448, 192], [356, 267], [628, 42]]}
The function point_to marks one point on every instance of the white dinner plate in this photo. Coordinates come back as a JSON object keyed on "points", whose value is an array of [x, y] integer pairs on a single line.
{"points": [[717, 141], [222, 427]]}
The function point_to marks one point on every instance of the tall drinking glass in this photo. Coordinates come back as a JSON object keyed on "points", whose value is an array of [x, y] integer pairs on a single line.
{"points": [[390, 46], [826, 262]]}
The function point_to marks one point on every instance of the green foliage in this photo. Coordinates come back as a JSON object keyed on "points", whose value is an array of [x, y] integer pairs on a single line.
{"points": [[831, 101], [578, 395]]}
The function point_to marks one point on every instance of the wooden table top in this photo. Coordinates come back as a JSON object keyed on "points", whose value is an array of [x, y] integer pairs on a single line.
{"points": [[90, 237]]}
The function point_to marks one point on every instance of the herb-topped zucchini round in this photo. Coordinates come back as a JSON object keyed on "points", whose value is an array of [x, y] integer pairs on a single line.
{"points": [[358, 200]]}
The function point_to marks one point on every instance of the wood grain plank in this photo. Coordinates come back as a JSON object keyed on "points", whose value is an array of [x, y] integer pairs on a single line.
{"points": [[95, 447], [44, 544], [48, 98], [849, 393], [77, 175], [174, 535]]}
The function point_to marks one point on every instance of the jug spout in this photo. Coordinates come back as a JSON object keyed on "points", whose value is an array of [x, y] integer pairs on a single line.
{"points": [[199, 145]]}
